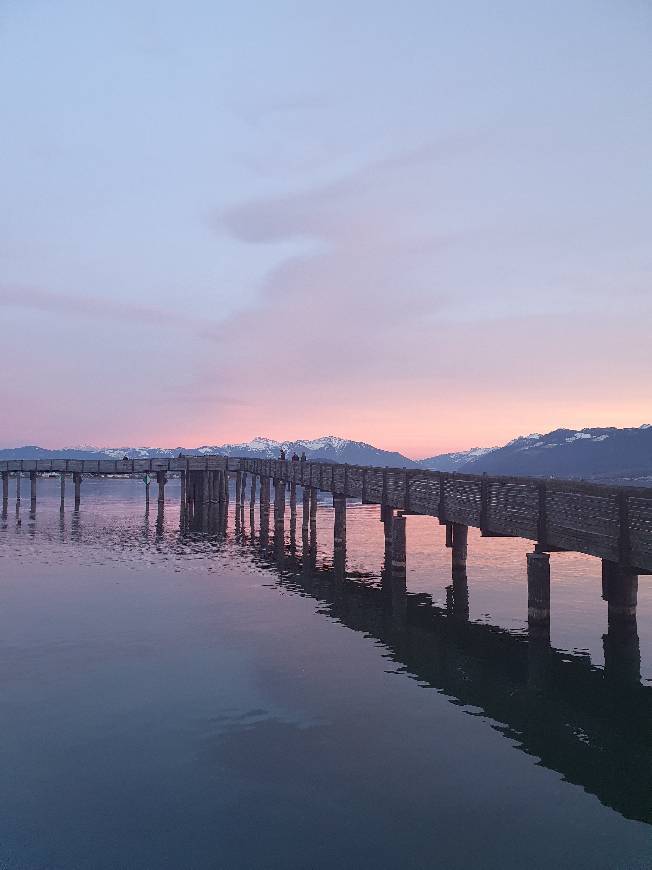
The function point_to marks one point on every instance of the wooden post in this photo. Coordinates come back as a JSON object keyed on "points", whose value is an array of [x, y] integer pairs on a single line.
{"points": [[243, 488], [449, 535], [398, 549], [252, 493], [161, 479], [305, 519], [459, 546], [293, 503], [77, 479], [18, 477], [183, 482], [339, 528], [279, 504], [542, 520], [264, 495], [620, 587], [205, 490], [388, 528], [32, 484], [339, 536], [147, 486], [225, 481], [5, 486], [538, 587], [238, 488], [313, 505]]}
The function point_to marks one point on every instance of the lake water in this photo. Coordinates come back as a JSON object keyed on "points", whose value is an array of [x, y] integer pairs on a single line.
{"points": [[174, 700]]}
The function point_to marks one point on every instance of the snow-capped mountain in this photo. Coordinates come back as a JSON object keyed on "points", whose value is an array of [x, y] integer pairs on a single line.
{"points": [[607, 454], [455, 461], [327, 448], [597, 453]]}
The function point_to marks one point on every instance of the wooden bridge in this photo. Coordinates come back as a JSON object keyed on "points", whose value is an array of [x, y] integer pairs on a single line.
{"points": [[611, 523]]}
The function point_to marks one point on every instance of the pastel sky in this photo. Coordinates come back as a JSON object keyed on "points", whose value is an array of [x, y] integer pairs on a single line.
{"points": [[423, 224]]}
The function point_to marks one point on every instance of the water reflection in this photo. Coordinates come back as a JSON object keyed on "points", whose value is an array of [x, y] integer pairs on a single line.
{"points": [[590, 725]]}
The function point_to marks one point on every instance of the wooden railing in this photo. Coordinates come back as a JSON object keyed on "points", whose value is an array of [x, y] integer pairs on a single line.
{"points": [[611, 522]]}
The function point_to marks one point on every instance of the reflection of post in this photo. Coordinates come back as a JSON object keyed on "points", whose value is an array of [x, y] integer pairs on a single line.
{"points": [[339, 535], [77, 479], [622, 655], [622, 652], [160, 517], [32, 494], [538, 655], [538, 588]]}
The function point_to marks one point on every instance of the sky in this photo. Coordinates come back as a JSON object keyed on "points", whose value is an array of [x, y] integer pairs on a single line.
{"points": [[425, 225]]}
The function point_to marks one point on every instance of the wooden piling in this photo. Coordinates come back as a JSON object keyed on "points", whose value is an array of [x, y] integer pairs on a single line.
{"points": [[305, 518], [313, 505], [398, 549], [5, 486], [77, 479], [459, 546], [161, 480], [62, 502], [339, 527], [183, 483], [538, 587], [620, 587], [252, 493], [243, 488], [18, 477]]}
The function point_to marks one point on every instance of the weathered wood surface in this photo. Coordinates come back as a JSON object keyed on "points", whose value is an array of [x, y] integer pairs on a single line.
{"points": [[611, 522]]}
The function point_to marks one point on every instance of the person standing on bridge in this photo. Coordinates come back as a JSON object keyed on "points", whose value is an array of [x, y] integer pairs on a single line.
{"points": [[282, 456]]}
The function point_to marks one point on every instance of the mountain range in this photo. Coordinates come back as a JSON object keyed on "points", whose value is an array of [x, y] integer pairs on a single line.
{"points": [[607, 454]]}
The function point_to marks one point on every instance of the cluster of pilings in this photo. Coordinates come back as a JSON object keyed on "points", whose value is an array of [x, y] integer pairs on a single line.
{"points": [[33, 478]]}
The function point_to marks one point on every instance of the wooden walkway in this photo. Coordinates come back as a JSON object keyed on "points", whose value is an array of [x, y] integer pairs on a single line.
{"points": [[612, 523]]}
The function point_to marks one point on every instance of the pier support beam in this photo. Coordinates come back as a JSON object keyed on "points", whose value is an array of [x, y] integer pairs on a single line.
{"points": [[238, 488], [313, 505], [305, 519], [279, 505], [252, 494], [18, 477], [339, 535], [620, 588], [62, 503], [183, 483], [5, 486], [161, 480], [32, 488], [538, 588], [77, 479], [148, 483], [460, 534], [398, 550]]}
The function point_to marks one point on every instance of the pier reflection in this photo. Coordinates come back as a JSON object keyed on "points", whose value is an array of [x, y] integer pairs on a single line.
{"points": [[590, 725]]}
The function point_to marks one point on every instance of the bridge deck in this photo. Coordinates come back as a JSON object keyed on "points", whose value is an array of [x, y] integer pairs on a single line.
{"points": [[610, 522]]}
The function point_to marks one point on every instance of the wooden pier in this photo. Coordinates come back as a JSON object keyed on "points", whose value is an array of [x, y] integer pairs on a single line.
{"points": [[612, 523]]}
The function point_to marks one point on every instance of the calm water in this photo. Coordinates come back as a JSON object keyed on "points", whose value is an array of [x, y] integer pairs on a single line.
{"points": [[175, 701]]}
